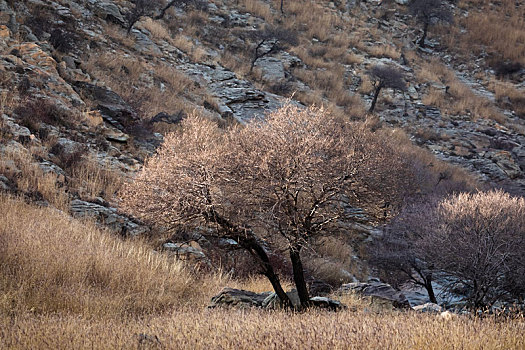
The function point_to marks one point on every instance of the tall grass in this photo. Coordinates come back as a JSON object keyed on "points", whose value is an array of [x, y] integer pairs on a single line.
{"points": [[51, 263], [225, 329]]}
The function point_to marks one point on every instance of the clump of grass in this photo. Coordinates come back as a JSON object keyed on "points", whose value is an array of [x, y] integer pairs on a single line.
{"points": [[52, 263]]}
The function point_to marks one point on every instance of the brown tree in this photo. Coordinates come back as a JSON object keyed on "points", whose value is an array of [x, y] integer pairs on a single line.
{"points": [[429, 12], [474, 240], [276, 183], [479, 241], [385, 77]]}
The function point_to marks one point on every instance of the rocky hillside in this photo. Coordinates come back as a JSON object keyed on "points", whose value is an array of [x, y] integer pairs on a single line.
{"points": [[84, 100]]}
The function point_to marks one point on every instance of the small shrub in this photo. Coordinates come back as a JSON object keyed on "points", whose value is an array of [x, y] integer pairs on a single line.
{"points": [[68, 159], [62, 40], [34, 112]]}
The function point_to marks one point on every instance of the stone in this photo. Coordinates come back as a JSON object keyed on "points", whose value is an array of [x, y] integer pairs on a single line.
{"points": [[109, 11], [184, 251], [428, 307], [108, 217], [112, 107], [272, 69], [238, 298], [377, 290]]}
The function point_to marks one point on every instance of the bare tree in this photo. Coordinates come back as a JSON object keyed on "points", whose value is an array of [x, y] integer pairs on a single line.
{"points": [[385, 77], [277, 183], [429, 12], [398, 253], [270, 40], [149, 8], [476, 240]]}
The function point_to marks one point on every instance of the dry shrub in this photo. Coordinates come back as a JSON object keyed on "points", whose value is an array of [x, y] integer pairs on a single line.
{"points": [[53, 263], [18, 165], [384, 51], [91, 179], [157, 29]]}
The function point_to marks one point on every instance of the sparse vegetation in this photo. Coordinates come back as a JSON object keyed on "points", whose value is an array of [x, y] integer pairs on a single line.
{"points": [[335, 195]]}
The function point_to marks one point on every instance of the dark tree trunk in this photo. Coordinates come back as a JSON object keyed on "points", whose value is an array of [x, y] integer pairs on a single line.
{"points": [[430, 290], [376, 94], [424, 37], [269, 272], [298, 276], [248, 241], [282, 9]]}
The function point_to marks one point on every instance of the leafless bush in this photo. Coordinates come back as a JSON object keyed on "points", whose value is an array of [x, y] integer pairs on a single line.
{"points": [[385, 77], [278, 183], [429, 12], [62, 40], [476, 240], [270, 40]]}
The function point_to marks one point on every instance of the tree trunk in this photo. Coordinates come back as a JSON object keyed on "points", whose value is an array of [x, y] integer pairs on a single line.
{"points": [[282, 9], [269, 272], [423, 38], [430, 290], [298, 276], [248, 241], [376, 94]]}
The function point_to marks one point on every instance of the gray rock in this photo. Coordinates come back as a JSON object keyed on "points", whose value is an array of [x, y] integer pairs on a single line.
{"points": [[377, 290], [108, 217], [109, 11], [238, 298], [272, 69], [428, 307]]}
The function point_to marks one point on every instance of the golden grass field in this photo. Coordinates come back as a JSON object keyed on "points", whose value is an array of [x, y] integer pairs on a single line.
{"points": [[66, 284]]}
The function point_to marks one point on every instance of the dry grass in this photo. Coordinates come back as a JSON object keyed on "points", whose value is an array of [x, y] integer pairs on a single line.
{"points": [[252, 329], [53, 263], [90, 179], [460, 99], [158, 29], [18, 165]]}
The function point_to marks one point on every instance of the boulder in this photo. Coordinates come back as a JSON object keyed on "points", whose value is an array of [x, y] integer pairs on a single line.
{"points": [[109, 11], [428, 307], [112, 107], [108, 217], [272, 69], [377, 290], [238, 298]]}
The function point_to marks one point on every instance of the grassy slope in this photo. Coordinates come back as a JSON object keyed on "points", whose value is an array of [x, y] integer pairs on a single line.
{"points": [[66, 284]]}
